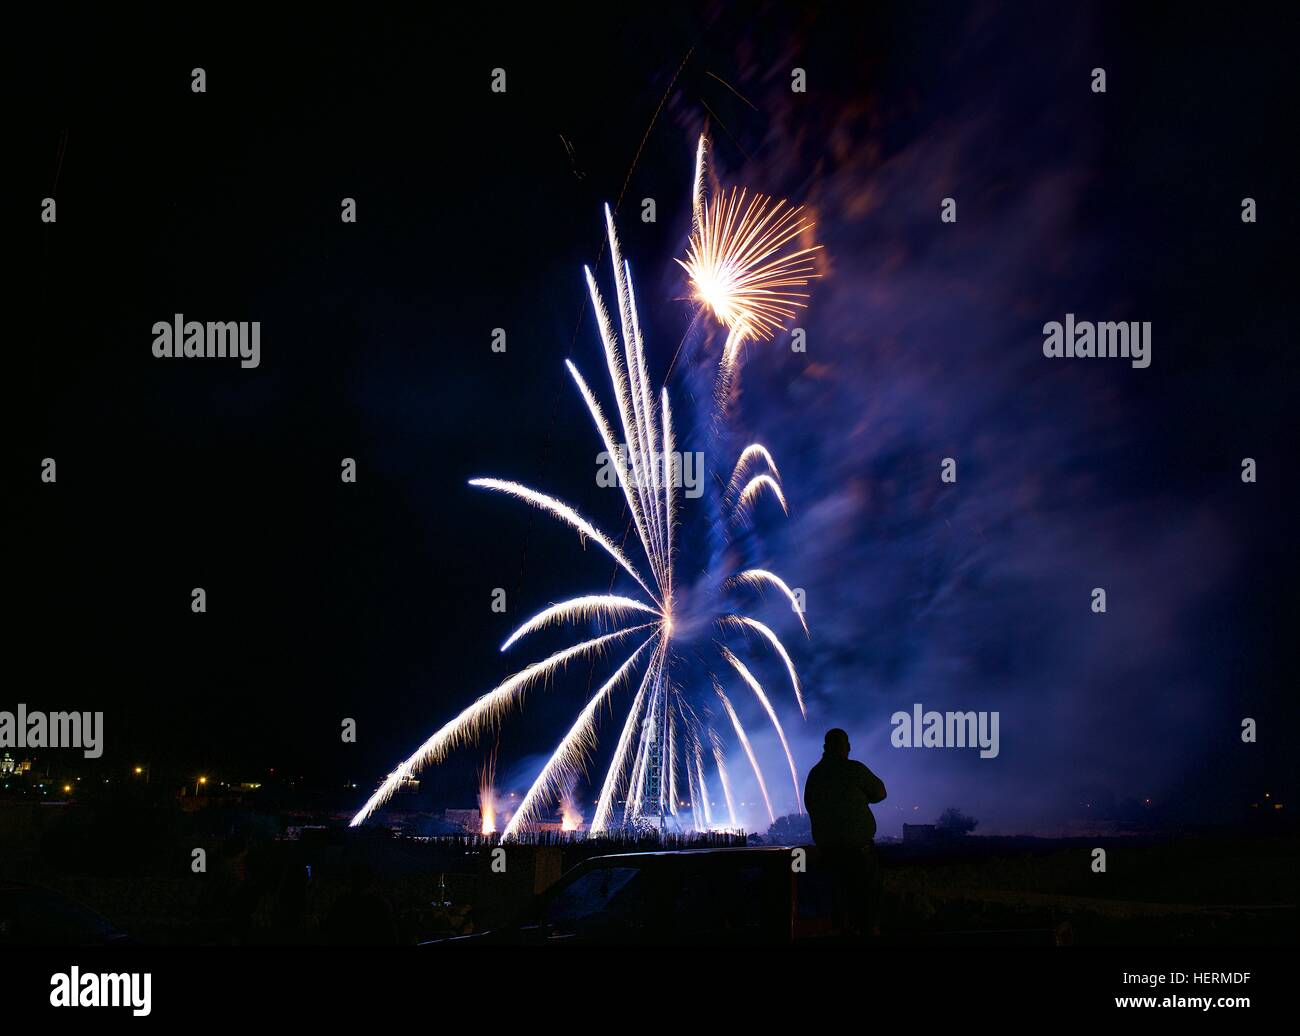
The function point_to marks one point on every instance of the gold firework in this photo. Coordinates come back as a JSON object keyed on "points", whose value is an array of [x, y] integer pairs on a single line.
{"points": [[744, 261]]}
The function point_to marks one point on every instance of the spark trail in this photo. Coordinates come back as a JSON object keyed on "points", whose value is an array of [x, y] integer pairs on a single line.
{"points": [[740, 265]]}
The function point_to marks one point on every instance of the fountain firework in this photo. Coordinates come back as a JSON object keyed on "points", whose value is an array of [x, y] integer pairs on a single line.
{"points": [[487, 795], [741, 270]]}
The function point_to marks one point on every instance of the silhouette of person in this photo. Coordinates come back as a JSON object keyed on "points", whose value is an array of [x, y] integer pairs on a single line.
{"points": [[838, 796]]}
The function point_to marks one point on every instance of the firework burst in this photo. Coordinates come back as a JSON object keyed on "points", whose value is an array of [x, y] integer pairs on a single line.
{"points": [[745, 262], [659, 760]]}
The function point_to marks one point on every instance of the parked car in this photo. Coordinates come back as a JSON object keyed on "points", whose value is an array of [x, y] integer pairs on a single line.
{"points": [[34, 916], [695, 896]]}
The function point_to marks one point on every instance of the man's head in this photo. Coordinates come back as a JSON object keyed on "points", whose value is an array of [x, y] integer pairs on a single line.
{"points": [[837, 743]]}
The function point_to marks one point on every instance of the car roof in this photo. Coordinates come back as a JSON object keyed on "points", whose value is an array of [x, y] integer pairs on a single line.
{"points": [[672, 854]]}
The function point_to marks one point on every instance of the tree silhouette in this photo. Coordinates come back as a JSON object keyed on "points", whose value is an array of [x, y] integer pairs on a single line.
{"points": [[791, 829], [954, 822]]}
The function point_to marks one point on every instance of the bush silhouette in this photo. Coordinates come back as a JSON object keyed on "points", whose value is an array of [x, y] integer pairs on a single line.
{"points": [[954, 822]]}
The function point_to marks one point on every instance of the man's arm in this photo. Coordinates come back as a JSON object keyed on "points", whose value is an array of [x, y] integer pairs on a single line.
{"points": [[872, 785], [812, 802]]}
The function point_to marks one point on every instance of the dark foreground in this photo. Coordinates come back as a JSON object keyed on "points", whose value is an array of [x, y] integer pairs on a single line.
{"points": [[1213, 888]]}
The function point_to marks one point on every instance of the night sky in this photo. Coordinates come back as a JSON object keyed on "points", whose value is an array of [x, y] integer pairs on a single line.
{"points": [[478, 210]]}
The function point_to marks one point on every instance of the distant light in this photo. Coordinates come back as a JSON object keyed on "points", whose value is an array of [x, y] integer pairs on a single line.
{"points": [[203, 780], [139, 770], [67, 787]]}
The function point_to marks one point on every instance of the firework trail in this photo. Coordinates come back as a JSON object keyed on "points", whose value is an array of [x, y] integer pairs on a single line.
{"points": [[720, 759], [759, 693], [737, 251], [760, 577], [749, 749], [487, 795]]}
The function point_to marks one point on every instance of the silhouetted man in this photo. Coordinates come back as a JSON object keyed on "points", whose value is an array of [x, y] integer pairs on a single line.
{"points": [[838, 796]]}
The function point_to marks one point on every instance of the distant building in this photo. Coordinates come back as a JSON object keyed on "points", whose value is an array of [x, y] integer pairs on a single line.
{"points": [[469, 819], [7, 764]]}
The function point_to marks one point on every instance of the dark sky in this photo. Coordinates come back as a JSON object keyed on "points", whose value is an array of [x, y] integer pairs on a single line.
{"points": [[371, 600]]}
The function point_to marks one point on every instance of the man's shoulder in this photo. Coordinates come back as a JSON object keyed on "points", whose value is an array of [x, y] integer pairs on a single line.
{"points": [[862, 771], [826, 771]]}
